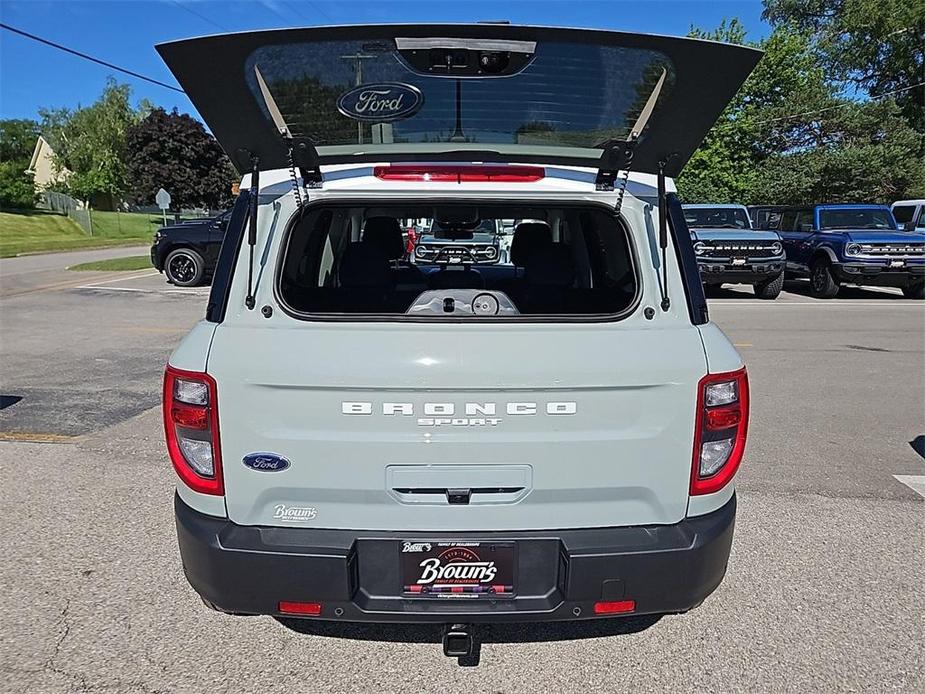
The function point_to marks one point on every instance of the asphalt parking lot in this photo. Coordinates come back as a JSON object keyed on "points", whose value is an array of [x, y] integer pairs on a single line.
{"points": [[824, 590]]}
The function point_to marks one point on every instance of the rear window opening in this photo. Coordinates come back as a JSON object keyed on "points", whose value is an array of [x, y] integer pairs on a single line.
{"points": [[458, 261]]}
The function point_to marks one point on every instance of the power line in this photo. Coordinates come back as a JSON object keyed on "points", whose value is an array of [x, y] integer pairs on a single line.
{"points": [[269, 7], [98, 61], [320, 11], [872, 97], [200, 15], [830, 108]]}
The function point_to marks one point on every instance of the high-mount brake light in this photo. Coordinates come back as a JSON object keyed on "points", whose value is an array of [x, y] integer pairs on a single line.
{"points": [[460, 174], [720, 430], [191, 428]]}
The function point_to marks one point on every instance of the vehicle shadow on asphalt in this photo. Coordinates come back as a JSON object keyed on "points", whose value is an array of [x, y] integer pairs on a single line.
{"points": [[801, 287], [529, 632], [918, 445]]}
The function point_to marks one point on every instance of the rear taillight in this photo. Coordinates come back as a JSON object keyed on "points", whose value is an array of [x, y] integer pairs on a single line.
{"points": [[191, 427], [720, 430], [460, 174]]}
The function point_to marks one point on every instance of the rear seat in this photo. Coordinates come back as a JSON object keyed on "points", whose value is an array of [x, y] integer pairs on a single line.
{"points": [[549, 278], [529, 238], [384, 233]]}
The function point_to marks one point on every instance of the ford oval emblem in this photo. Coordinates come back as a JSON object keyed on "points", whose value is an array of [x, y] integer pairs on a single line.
{"points": [[266, 462], [382, 102]]}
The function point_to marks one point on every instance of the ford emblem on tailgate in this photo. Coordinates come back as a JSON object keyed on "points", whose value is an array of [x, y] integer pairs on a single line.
{"points": [[386, 101], [266, 462]]}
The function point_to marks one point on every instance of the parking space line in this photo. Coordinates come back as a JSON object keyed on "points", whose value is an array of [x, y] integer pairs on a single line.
{"points": [[915, 482], [151, 329], [196, 292], [33, 437], [127, 278]]}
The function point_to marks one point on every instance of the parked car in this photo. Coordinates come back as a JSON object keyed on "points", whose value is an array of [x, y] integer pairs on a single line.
{"points": [[454, 241], [361, 441], [187, 252], [764, 216], [729, 251], [856, 244], [909, 214]]}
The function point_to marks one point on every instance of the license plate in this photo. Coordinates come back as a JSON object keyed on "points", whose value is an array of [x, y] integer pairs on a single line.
{"points": [[457, 569], [738, 261], [896, 263]]}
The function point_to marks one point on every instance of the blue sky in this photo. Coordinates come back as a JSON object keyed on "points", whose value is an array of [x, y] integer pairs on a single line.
{"points": [[124, 32]]}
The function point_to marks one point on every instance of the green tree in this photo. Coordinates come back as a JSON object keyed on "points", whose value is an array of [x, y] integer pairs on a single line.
{"points": [[17, 189], [175, 152], [878, 45], [17, 139], [90, 142], [17, 142], [791, 137], [855, 152], [788, 78]]}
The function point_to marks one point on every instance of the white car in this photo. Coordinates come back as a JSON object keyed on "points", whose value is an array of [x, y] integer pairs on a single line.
{"points": [[360, 439], [909, 214]]}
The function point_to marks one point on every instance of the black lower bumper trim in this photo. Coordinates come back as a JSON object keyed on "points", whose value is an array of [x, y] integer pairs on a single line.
{"points": [[879, 275], [355, 574], [751, 273]]}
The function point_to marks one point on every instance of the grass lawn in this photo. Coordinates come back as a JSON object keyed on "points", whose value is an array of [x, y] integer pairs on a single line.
{"points": [[133, 262], [31, 231]]}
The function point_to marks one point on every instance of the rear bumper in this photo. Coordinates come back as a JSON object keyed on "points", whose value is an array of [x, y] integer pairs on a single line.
{"points": [[753, 272], [156, 258], [355, 574]]}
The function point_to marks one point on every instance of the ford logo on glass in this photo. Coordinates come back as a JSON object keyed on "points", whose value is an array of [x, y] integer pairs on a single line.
{"points": [[381, 102], [266, 462]]}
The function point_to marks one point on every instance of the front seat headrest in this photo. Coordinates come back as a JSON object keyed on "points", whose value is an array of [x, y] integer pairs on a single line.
{"points": [[385, 234], [529, 237], [364, 265]]}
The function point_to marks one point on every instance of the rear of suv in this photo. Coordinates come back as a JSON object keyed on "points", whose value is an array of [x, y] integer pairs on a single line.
{"points": [[360, 438]]}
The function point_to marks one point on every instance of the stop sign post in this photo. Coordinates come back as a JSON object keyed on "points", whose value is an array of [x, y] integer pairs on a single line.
{"points": [[163, 201]]}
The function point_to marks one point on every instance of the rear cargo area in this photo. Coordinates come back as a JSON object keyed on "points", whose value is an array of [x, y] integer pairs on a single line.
{"points": [[570, 260]]}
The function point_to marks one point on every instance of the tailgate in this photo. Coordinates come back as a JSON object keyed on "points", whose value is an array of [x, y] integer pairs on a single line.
{"points": [[382, 424]]}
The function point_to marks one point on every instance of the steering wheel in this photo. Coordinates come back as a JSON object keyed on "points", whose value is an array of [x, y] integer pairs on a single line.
{"points": [[459, 255]]}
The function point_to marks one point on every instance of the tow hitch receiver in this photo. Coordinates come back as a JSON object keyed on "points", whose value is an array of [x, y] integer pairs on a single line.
{"points": [[458, 641]]}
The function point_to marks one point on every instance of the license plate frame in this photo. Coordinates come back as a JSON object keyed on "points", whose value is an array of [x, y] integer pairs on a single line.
{"points": [[479, 570]]}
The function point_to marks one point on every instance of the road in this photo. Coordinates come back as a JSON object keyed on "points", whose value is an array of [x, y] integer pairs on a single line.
{"points": [[823, 593], [46, 271]]}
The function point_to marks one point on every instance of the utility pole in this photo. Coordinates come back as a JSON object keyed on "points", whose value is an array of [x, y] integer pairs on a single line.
{"points": [[358, 59]]}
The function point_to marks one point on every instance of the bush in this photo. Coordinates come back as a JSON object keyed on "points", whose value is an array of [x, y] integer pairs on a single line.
{"points": [[17, 189]]}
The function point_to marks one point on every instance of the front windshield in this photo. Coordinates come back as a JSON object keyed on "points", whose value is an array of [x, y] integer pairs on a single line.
{"points": [[862, 218], [443, 229], [716, 218]]}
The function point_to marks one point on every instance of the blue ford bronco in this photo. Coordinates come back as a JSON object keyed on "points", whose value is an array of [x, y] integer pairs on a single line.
{"points": [[852, 244], [729, 251]]}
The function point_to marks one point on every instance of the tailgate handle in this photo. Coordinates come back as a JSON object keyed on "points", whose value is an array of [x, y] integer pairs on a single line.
{"points": [[458, 496], [455, 495]]}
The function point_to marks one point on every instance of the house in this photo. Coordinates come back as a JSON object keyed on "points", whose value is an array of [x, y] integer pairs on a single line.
{"points": [[42, 167]]}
